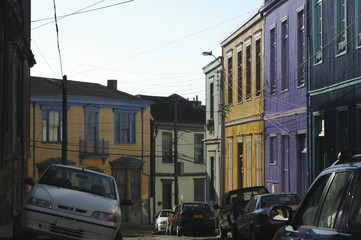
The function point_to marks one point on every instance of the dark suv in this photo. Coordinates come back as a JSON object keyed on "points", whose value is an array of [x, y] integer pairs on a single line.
{"points": [[332, 207]]}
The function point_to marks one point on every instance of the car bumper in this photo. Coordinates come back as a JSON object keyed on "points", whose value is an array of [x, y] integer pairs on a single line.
{"points": [[162, 227], [65, 226], [198, 226]]}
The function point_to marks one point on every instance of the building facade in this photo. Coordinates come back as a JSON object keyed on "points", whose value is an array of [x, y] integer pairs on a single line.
{"points": [[177, 132], [285, 96], [16, 59], [333, 43], [107, 131], [242, 53], [212, 142]]}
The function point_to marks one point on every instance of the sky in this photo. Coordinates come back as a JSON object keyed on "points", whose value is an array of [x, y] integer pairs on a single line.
{"points": [[151, 47]]}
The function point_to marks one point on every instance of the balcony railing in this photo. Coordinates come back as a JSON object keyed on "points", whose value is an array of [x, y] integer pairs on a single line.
{"points": [[93, 149]]}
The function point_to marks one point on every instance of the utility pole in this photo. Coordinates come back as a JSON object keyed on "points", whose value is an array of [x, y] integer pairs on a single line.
{"points": [[176, 194], [65, 123]]}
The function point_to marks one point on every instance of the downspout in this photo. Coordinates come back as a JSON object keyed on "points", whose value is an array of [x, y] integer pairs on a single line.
{"points": [[34, 141], [308, 119], [146, 174]]}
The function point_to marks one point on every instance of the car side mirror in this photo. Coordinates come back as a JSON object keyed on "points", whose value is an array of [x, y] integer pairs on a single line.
{"points": [[281, 214], [126, 202], [29, 181], [216, 206]]}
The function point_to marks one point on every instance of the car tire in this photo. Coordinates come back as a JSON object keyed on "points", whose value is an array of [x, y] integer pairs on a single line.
{"points": [[19, 233], [118, 236], [222, 232], [179, 231]]}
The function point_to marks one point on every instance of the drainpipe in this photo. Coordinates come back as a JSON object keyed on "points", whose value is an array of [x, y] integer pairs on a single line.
{"points": [[34, 140], [146, 174], [308, 119]]}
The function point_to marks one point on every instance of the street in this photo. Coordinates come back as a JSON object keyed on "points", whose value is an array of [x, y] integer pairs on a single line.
{"points": [[153, 236]]}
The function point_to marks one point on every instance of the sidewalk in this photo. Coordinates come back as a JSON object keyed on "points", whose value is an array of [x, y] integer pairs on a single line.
{"points": [[6, 231]]}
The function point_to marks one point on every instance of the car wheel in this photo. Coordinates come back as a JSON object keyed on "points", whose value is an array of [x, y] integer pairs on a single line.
{"points": [[235, 233], [179, 231], [118, 236], [222, 232], [172, 232], [19, 233]]}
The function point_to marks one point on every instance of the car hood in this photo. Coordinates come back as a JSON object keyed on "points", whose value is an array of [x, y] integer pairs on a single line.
{"points": [[161, 219], [69, 199]]}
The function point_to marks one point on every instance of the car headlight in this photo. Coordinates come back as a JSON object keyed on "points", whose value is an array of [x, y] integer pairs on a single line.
{"points": [[39, 202], [109, 217]]}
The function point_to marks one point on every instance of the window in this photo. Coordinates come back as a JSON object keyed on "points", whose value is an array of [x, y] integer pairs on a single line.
{"points": [[230, 77], [258, 138], [317, 31], [300, 48], [355, 212], [51, 126], [306, 214], [332, 207], [91, 125], [273, 67], [273, 150], [341, 26], [249, 160], [248, 71], [135, 183], [285, 156], [211, 100], [358, 124], [258, 67], [284, 55], [199, 190], [230, 163], [124, 127], [358, 23], [198, 148], [240, 72], [167, 147], [342, 128]]}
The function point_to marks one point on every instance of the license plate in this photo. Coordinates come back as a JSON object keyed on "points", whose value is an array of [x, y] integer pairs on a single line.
{"points": [[67, 224], [197, 216]]}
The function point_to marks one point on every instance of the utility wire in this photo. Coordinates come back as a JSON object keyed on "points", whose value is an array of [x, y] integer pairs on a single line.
{"points": [[57, 37]]}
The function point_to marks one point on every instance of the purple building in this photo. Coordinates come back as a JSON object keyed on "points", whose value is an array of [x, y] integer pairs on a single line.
{"points": [[285, 96]]}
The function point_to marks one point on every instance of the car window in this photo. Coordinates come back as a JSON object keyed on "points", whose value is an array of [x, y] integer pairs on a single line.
{"points": [[164, 213], [306, 215], [79, 180], [251, 205], [331, 209], [355, 213], [284, 199]]}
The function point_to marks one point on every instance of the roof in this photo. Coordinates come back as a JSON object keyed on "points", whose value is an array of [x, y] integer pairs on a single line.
{"points": [[51, 161], [51, 86], [128, 161], [162, 109]]}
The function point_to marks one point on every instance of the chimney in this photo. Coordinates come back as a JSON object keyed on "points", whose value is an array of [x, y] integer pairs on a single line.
{"points": [[112, 84]]}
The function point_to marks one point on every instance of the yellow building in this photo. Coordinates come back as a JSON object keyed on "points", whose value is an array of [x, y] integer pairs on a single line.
{"points": [[108, 131], [242, 53]]}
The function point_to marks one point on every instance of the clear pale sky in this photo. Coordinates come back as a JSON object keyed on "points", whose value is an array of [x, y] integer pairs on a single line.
{"points": [[152, 47]]}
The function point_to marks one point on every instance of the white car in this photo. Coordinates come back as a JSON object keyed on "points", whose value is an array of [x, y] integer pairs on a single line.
{"points": [[71, 203], [160, 223]]}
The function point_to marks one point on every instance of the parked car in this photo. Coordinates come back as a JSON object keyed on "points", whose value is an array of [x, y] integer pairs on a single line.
{"points": [[332, 207], [255, 223], [71, 203], [169, 227], [233, 203], [160, 222], [194, 217]]}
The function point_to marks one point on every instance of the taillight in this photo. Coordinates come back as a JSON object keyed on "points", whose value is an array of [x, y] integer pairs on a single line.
{"points": [[213, 216]]}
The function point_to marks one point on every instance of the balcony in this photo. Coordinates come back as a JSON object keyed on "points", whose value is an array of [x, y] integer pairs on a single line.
{"points": [[93, 149]]}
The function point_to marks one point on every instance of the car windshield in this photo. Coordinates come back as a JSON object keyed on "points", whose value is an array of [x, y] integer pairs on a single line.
{"points": [[195, 207], [284, 199], [79, 180], [164, 213]]}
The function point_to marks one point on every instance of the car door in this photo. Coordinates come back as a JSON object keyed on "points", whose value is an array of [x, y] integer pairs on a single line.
{"points": [[245, 220], [332, 210], [306, 216]]}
